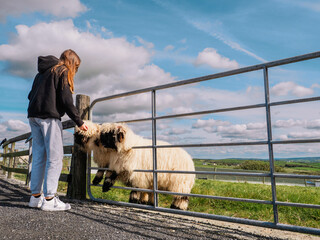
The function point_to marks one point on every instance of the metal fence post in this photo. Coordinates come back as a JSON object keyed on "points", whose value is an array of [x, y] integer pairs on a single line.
{"points": [[270, 146], [77, 186], [154, 149]]}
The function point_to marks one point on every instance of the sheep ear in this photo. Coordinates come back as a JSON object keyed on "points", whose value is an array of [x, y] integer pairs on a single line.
{"points": [[120, 137]]}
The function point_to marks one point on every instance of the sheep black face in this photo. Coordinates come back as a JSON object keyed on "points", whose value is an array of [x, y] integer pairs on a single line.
{"points": [[108, 140], [81, 140]]}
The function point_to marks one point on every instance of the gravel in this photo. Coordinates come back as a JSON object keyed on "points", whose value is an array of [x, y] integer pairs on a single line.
{"points": [[90, 220]]}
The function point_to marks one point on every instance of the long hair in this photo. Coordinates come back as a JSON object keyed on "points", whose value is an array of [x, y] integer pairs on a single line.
{"points": [[69, 61]]}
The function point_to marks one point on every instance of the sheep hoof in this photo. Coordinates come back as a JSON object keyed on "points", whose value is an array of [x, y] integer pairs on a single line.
{"points": [[134, 197], [180, 203], [96, 180], [133, 200], [175, 207], [106, 186], [144, 202]]}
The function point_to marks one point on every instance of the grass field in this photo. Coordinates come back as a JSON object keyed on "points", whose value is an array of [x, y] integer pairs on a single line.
{"points": [[299, 166]]}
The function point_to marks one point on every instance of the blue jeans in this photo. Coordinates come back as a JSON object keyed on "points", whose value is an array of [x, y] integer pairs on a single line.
{"points": [[47, 155]]}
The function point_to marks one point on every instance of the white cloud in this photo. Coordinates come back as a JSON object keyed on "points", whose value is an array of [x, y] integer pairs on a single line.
{"points": [[215, 31], [310, 5], [58, 8], [255, 126], [286, 88], [226, 130], [3, 128], [108, 66], [209, 123], [212, 58], [238, 129], [168, 48], [17, 125], [288, 123], [313, 124], [300, 135], [315, 85], [14, 126], [177, 131], [145, 43], [183, 41], [243, 131]]}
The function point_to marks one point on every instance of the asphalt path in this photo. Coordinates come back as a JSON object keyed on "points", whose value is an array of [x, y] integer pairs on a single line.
{"points": [[90, 220]]}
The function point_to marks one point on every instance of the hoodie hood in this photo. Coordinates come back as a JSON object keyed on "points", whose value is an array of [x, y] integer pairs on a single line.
{"points": [[46, 62]]}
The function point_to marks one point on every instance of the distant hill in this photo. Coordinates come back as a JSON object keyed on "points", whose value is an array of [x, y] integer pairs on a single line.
{"points": [[300, 159]]}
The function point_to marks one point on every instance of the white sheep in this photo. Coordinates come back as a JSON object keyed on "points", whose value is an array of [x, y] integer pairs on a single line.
{"points": [[124, 160]]}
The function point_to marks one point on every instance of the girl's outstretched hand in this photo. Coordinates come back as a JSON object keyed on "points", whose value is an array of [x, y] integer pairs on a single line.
{"points": [[84, 127]]}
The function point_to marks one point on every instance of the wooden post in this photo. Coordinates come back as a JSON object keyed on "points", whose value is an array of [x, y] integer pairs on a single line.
{"points": [[305, 183], [5, 151], [11, 159], [77, 187], [28, 178], [15, 160]]}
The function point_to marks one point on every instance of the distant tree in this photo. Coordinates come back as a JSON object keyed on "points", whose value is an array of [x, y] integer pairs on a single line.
{"points": [[258, 166]]}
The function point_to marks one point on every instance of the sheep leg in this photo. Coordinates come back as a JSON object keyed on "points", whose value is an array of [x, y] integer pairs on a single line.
{"points": [[144, 198], [180, 203], [99, 176], [151, 199], [134, 197], [109, 180]]}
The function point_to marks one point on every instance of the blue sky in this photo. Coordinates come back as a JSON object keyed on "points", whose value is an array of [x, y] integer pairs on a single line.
{"points": [[132, 44]]}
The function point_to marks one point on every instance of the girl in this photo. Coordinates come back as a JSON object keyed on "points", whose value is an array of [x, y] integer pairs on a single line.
{"points": [[49, 99]]}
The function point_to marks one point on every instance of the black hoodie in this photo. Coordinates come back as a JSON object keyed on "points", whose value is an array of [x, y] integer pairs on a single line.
{"points": [[50, 96]]}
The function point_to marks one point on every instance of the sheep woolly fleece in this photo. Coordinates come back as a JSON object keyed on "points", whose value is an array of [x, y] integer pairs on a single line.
{"points": [[127, 160]]}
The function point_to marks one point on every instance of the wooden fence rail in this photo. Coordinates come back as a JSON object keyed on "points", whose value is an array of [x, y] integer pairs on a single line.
{"points": [[77, 176]]}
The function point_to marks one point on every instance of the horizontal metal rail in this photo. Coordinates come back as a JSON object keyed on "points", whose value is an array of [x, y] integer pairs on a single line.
{"points": [[316, 140], [243, 174], [301, 205], [204, 145], [213, 76], [280, 175], [239, 108]]}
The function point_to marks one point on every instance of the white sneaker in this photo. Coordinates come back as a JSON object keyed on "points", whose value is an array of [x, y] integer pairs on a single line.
{"points": [[55, 205], [36, 202]]}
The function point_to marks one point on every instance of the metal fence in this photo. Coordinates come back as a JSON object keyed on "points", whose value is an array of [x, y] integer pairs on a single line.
{"points": [[269, 142]]}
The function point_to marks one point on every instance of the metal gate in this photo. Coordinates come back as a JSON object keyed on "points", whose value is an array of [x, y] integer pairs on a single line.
{"points": [[269, 142]]}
